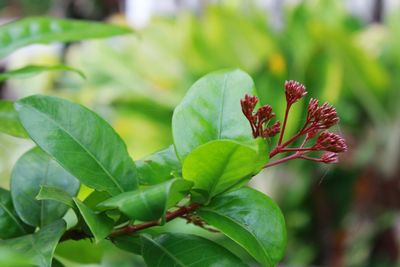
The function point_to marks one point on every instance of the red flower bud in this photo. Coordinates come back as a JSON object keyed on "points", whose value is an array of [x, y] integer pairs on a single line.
{"points": [[330, 157], [330, 142], [323, 117], [294, 91], [272, 130]]}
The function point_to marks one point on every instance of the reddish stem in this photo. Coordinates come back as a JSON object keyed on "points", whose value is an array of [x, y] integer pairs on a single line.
{"points": [[312, 159], [297, 149], [282, 160], [284, 123]]}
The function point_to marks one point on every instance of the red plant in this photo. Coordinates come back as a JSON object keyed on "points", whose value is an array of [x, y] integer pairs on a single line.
{"points": [[319, 119]]}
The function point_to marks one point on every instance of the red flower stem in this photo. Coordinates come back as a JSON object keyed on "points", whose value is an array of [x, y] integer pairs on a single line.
{"points": [[310, 158], [297, 149], [282, 160], [288, 106]]}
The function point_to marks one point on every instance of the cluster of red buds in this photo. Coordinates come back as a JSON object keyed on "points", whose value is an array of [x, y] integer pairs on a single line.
{"points": [[319, 119]]}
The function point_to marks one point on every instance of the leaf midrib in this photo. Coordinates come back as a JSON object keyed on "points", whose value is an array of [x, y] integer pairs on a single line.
{"points": [[81, 145], [166, 251], [268, 257]]}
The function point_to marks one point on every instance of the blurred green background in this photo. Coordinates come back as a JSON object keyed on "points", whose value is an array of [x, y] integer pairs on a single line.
{"points": [[345, 52]]}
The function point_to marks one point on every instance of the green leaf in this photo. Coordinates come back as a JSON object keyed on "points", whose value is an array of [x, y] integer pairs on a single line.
{"points": [[56, 194], [251, 219], [220, 165], [32, 70], [95, 198], [34, 169], [81, 141], [9, 121], [211, 110], [39, 246], [149, 203], [186, 250], [10, 224], [129, 242], [99, 224], [158, 167], [11, 258], [44, 30]]}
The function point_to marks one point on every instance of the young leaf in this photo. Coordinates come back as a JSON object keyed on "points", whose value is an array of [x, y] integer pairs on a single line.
{"points": [[99, 224], [55, 194], [31, 70], [211, 110], [158, 167], [218, 165], [44, 30], [251, 219], [186, 250], [10, 224], [34, 169], [39, 246], [149, 203], [9, 121], [81, 141]]}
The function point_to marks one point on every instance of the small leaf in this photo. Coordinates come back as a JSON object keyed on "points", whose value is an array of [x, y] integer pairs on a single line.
{"points": [[34, 169], [219, 165], [158, 167], [186, 250], [99, 224], [39, 246], [56, 194], [32, 70], [81, 141], [149, 203], [44, 30], [10, 224], [9, 121], [95, 198], [251, 219], [211, 111]]}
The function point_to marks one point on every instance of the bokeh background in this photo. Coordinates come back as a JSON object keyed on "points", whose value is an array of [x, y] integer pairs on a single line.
{"points": [[346, 52]]}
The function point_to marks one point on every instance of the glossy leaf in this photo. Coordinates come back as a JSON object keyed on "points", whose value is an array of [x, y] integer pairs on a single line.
{"points": [[186, 250], [149, 203], [99, 224], [34, 169], [158, 167], [211, 110], [39, 246], [251, 219], [44, 30], [31, 70], [81, 141], [9, 121], [9, 258], [129, 242], [220, 165], [55, 194], [10, 223]]}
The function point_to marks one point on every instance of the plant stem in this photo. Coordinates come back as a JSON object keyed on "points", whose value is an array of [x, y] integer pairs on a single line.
{"points": [[282, 160], [78, 234], [284, 123]]}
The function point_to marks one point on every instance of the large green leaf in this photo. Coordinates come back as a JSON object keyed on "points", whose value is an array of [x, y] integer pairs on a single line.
{"points": [[99, 224], [9, 121], [211, 110], [10, 224], [186, 250], [220, 165], [31, 70], [34, 169], [251, 219], [45, 30], [9, 258], [149, 203], [39, 246], [81, 141], [158, 167]]}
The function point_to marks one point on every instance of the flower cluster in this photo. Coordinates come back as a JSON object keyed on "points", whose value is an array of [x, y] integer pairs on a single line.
{"points": [[319, 119], [259, 120]]}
